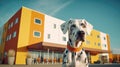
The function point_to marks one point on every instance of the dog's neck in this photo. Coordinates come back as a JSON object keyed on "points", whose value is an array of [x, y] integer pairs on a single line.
{"points": [[74, 43], [74, 49]]}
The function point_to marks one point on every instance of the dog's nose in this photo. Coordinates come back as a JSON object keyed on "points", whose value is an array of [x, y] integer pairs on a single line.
{"points": [[81, 32]]}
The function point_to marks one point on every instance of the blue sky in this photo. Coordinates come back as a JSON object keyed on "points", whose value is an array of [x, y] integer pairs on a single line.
{"points": [[104, 15]]}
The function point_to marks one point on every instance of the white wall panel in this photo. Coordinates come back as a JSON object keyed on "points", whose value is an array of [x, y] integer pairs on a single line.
{"points": [[55, 33], [103, 41]]}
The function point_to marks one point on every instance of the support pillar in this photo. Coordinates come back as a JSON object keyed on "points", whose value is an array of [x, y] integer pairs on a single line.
{"points": [[48, 56], [52, 57]]}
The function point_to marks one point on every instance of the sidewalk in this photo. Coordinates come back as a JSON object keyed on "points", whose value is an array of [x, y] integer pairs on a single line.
{"points": [[59, 65]]}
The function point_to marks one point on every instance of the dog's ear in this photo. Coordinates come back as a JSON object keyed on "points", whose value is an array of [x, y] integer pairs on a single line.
{"points": [[89, 27], [64, 27]]}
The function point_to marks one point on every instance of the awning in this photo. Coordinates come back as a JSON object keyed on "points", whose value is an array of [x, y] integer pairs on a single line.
{"points": [[94, 51], [43, 46]]}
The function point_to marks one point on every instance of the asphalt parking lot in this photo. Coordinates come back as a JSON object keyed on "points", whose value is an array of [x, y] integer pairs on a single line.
{"points": [[59, 65]]}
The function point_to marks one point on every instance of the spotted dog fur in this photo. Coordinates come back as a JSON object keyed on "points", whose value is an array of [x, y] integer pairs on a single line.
{"points": [[77, 30]]}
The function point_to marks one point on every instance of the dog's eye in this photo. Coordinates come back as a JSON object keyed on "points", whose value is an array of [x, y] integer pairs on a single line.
{"points": [[72, 27], [83, 25]]}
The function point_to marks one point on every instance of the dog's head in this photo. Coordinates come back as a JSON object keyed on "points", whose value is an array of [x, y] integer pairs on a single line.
{"points": [[77, 29]]}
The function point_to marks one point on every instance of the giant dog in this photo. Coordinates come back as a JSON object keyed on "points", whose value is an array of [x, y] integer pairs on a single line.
{"points": [[74, 55]]}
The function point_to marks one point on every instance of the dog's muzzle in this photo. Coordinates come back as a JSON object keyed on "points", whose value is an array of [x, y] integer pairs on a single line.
{"points": [[80, 36]]}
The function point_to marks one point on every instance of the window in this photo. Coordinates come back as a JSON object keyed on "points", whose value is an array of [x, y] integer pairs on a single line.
{"points": [[54, 26], [104, 45], [48, 36], [95, 43], [14, 34], [87, 42], [11, 25], [91, 34], [16, 20], [7, 38], [98, 36], [64, 38], [98, 44], [37, 21], [36, 34], [104, 38]]}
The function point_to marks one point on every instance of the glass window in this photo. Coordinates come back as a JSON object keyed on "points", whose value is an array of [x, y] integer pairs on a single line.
{"points": [[64, 38], [9, 36], [54, 26], [98, 36], [36, 34], [98, 44], [104, 45], [95, 43], [104, 38], [16, 20], [91, 34], [87, 42], [14, 34], [11, 24], [37, 21], [48, 36]]}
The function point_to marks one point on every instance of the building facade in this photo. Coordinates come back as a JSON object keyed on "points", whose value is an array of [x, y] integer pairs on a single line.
{"points": [[29, 31]]}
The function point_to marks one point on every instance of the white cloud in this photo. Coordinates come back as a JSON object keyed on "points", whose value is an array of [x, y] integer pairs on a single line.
{"points": [[50, 7], [61, 7]]}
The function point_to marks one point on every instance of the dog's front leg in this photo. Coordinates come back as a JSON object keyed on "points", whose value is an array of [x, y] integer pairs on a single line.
{"points": [[67, 60]]}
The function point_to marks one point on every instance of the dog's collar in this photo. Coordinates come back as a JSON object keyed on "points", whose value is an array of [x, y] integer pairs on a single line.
{"points": [[72, 49]]}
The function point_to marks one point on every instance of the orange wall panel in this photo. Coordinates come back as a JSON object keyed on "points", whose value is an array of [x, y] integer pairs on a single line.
{"points": [[36, 27]]}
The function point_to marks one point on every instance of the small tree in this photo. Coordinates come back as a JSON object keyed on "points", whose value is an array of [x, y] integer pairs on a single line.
{"points": [[11, 53], [11, 56], [29, 55], [28, 59]]}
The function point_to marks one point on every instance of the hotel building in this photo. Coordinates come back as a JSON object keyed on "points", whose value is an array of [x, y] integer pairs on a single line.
{"points": [[30, 31]]}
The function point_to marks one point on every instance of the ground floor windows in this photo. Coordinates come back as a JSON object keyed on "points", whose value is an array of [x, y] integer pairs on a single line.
{"points": [[43, 57]]}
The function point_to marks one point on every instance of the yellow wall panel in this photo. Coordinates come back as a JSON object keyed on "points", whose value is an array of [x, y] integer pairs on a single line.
{"points": [[93, 39], [94, 58], [21, 58], [23, 37], [24, 30]]}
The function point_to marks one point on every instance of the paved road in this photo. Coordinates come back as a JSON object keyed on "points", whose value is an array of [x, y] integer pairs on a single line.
{"points": [[59, 65]]}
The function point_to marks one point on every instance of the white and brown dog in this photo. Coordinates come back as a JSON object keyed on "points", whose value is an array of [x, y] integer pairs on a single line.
{"points": [[74, 55]]}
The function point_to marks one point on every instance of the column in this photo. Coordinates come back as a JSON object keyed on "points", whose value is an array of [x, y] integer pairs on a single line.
{"points": [[48, 57], [52, 57], [89, 57], [43, 57]]}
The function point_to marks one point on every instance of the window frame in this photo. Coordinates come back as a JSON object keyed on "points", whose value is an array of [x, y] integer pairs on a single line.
{"points": [[54, 26], [10, 36], [14, 34], [36, 36], [64, 38], [38, 23], [11, 24], [16, 20], [49, 36]]}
